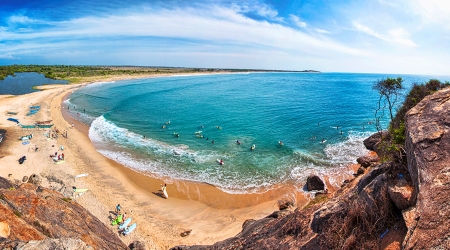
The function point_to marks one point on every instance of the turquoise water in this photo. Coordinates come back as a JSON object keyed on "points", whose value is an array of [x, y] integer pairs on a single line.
{"points": [[128, 124]]}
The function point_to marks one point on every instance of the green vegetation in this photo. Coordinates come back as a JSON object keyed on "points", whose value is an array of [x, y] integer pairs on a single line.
{"points": [[17, 213], [389, 90], [392, 145], [74, 74], [66, 199], [316, 200]]}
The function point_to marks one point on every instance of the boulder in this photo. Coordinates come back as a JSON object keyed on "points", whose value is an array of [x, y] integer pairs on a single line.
{"points": [[360, 171], [428, 153], [4, 229], [367, 160], [400, 194], [35, 179], [25, 179], [371, 142], [137, 245], [313, 182]]}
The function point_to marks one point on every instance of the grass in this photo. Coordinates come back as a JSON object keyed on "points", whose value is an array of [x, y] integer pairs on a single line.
{"points": [[316, 200]]}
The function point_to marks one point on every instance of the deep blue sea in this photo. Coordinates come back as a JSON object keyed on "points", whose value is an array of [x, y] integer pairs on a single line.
{"points": [[178, 127], [23, 83]]}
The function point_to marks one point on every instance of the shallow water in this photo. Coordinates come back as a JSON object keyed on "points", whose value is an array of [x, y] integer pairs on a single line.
{"points": [[23, 83], [130, 124]]}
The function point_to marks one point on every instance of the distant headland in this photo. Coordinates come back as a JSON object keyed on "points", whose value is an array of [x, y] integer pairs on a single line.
{"points": [[72, 73]]}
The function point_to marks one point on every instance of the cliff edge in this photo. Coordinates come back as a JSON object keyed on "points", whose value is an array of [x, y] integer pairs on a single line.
{"points": [[428, 154], [33, 217]]}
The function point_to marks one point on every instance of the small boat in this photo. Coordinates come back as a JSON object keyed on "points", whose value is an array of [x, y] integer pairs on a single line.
{"points": [[13, 120], [33, 111], [11, 113], [44, 126], [43, 122], [27, 126], [35, 107]]}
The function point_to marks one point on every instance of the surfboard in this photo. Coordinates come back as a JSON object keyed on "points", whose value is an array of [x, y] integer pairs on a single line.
{"points": [[80, 190], [125, 224], [60, 161], [130, 229], [198, 132], [81, 175], [218, 160]]}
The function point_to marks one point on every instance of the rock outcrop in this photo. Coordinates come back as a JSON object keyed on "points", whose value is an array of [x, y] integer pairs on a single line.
{"points": [[43, 217], [313, 182], [428, 154]]}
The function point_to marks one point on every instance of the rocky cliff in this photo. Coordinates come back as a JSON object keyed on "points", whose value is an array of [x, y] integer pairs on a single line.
{"points": [[428, 151], [32, 217], [391, 206]]}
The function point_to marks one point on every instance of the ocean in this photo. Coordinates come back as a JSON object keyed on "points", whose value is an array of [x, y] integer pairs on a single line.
{"points": [[178, 127]]}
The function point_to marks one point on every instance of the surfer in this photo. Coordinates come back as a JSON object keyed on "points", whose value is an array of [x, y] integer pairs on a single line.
{"points": [[168, 122], [238, 142], [323, 141], [221, 162], [281, 143], [252, 147], [163, 126]]}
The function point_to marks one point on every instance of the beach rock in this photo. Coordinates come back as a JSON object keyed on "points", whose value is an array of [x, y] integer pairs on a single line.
{"points": [[371, 142], [360, 171], [137, 245], [35, 179], [428, 154], [4, 229], [62, 243], [286, 202], [40, 213], [5, 184], [313, 182], [185, 233], [400, 194], [367, 160], [25, 179]]}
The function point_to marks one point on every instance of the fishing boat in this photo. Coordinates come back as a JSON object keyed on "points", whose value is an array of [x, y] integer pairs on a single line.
{"points": [[44, 126], [11, 113], [35, 107], [27, 126], [13, 120], [43, 122]]}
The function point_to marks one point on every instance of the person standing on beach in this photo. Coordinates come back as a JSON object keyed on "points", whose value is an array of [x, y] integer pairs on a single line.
{"points": [[118, 209]]}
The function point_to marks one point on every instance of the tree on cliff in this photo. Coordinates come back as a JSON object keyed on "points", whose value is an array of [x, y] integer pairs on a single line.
{"points": [[389, 90]]}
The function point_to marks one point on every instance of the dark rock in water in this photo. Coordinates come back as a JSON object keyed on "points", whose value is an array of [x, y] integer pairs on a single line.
{"points": [[137, 245], [35, 179], [38, 216], [428, 153], [25, 179], [371, 142], [314, 183]]}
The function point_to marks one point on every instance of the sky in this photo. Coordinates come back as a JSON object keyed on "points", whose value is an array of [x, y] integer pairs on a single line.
{"points": [[370, 36]]}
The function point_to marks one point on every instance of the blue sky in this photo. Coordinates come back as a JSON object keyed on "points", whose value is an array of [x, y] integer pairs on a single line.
{"points": [[380, 36]]}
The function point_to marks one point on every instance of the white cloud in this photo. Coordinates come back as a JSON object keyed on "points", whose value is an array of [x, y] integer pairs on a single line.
{"points": [[322, 31], [19, 19], [296, 20], [399, 36]]}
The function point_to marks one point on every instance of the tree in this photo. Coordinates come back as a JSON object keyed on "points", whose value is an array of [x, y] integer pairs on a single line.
{"points": [[389, 90]]}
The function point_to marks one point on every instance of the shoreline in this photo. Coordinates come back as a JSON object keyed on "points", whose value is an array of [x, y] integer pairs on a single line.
{"points": [[210, 213]]}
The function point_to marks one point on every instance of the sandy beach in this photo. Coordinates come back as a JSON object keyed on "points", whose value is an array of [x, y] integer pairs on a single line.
{"points": [[211, 214]]}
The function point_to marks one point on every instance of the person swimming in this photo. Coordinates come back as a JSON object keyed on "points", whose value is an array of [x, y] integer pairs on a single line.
{"points": [[238, 142], [281, 143], [253, 147], [221, 162]]}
